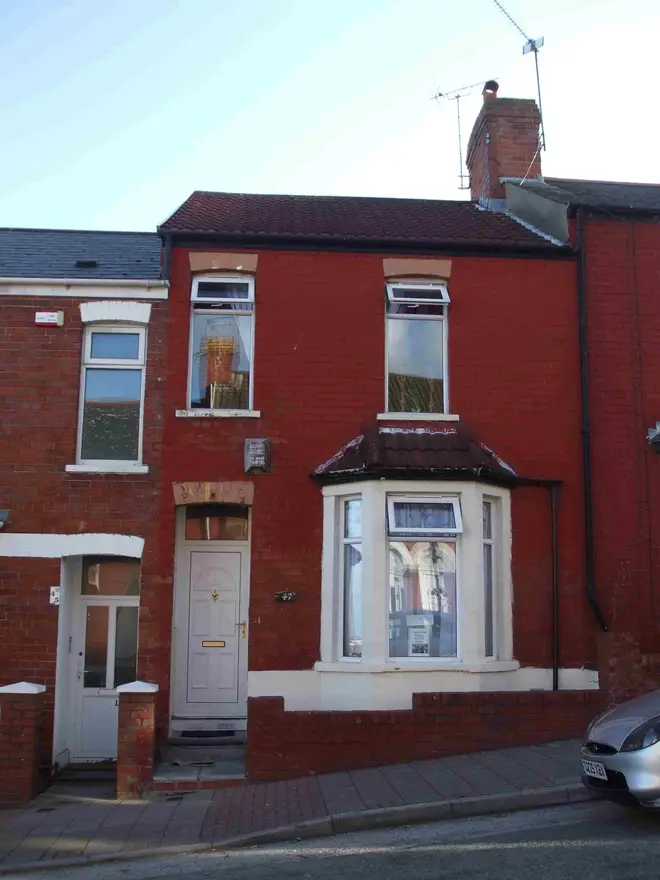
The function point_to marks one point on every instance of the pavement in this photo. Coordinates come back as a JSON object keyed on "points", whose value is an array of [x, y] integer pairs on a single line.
{"points": [[74, 824]]}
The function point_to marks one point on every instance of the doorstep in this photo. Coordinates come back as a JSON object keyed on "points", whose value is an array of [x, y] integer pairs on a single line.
{"points": [[199, 768]]}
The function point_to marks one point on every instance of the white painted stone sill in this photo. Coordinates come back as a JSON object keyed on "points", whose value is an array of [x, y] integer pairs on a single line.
{"points": [[417, 417], [217, 413], [356, 666], [114, 468]]}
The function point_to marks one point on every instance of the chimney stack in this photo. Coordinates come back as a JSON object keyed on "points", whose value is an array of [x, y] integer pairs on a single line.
{"points": [[504, 143]]}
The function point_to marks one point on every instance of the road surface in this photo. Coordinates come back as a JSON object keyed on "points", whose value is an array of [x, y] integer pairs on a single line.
{"points": [[587, 841]]}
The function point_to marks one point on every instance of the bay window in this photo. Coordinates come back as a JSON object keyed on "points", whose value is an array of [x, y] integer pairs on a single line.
{"points": [[416, 579]]}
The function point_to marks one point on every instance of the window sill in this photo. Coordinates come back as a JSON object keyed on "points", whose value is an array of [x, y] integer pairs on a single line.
{"points": [[417, 417], [217, 413], [408, 665], [119, 467]]}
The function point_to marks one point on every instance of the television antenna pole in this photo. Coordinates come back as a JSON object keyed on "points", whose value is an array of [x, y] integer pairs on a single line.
{"points": [[456, 95]]}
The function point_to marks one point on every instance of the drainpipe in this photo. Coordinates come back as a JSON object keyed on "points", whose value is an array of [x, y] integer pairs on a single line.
{"points": [[555, 587], [586, 428]]}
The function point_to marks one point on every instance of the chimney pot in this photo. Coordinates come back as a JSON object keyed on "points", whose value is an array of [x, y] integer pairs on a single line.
{"points": [[490, 89]]}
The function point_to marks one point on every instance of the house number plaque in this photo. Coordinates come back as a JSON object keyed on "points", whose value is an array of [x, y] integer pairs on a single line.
{"points": [[256, 455]]}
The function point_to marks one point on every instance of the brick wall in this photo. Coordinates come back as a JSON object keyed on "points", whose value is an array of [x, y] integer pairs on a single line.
{"points": [[623, 266], [20, 746], [319, 376], [288, 744], [503, 143], [41, 383], [137, 743]]}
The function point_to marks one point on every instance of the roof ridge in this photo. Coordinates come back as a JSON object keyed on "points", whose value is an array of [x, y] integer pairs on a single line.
{"points": [[77, 231]]}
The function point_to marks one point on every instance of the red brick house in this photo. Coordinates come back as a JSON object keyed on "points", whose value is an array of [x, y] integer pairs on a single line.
{"points": [[614, 229], [82, 340], [372, 483]]}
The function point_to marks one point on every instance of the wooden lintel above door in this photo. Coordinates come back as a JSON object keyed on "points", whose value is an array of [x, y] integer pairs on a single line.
{"points": [[232, 492]]}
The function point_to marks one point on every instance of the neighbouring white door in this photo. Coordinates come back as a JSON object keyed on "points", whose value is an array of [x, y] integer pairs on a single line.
{"points": [[103, 653], [210, 620]]}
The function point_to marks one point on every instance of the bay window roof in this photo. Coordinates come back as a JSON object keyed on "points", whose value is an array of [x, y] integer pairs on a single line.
{"points": [[402, 453]]}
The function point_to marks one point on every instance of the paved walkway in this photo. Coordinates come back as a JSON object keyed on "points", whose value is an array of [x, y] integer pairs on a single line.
{"points": [[83, 821]]}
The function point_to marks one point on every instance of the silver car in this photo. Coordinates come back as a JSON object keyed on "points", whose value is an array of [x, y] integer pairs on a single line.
{"points": [[621, 757]]}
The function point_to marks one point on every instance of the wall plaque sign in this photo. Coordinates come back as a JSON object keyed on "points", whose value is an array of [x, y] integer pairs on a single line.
{"points": [[256, 455]]}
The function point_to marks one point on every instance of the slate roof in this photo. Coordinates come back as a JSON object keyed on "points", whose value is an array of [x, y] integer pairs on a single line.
{"points": [[400, 453], [601, 195], [345, 220], [53, 253]]}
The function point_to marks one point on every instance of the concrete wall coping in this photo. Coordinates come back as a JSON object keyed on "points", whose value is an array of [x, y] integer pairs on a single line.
{"points": [[138, 687], [23, 687]]}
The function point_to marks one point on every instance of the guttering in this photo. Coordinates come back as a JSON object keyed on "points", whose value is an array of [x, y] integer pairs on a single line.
{"points": [[586, 425], [355, 244], [84, 282]]}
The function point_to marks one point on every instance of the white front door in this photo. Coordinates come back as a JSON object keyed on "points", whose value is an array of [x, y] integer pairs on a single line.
{"points": [[103, 654], [214, 637], [209, 649]]}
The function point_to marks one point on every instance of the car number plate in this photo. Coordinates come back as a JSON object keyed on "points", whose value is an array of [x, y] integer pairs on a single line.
{"points": [[595, 769]]}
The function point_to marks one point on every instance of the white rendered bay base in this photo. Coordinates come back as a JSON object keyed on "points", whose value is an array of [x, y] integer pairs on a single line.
{"points": [[319, 690]]}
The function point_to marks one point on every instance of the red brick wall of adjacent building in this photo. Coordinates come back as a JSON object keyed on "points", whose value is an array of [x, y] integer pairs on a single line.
{"points": [[40, 369], [320, 375], [623, 269]]}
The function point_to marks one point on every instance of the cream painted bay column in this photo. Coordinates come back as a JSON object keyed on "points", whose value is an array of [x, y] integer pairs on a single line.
{"points": [[330, 586], [471, 611], [374, 573]]}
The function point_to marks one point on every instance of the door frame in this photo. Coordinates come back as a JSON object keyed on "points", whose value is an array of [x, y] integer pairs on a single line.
{"points": [[188, 718], [80, 604]]}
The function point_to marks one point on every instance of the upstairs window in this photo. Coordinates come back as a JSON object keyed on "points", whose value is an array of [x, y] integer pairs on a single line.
{"points": [[417, 347], [112, 395], [222, 334]]}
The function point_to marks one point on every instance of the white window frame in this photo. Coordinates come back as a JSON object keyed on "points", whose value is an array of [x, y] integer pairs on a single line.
{"points": [[90, 363], [470, 585], [341, 592], [222, 279], [494, 564], [395, 288], [394, 296], [197, 304], [454, 501]]}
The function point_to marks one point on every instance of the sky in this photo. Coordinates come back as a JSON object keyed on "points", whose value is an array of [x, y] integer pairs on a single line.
{"points": [[112, 113]]}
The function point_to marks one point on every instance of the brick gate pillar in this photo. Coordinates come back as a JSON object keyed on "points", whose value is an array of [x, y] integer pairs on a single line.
{"points": [[136, 738], [21, 708]]}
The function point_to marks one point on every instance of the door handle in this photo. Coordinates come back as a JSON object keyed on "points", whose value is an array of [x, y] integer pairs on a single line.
{"points": [[243, 626]]}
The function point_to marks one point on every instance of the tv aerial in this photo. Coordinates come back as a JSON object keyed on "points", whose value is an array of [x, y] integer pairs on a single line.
{"points": [[456, 95], [530, 46]]}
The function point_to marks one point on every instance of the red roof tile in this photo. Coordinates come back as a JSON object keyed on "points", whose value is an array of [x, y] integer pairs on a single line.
{"points": [[337, 219], [408, 452]]}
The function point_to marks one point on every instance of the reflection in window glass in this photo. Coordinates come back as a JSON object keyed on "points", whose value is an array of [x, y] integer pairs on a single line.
{"points": [[352, 548], [111, 415], [352, 600], [110, 576], [422, 599], [96, 646], [221, 360], [120, 346], [415, 358], [126, 645], [416, 516], [353, 518], [216, 522]]}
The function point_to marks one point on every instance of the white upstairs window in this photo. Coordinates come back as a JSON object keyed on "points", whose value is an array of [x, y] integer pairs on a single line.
{"points": [[111, 416], [221, 343], [417, 347]]}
